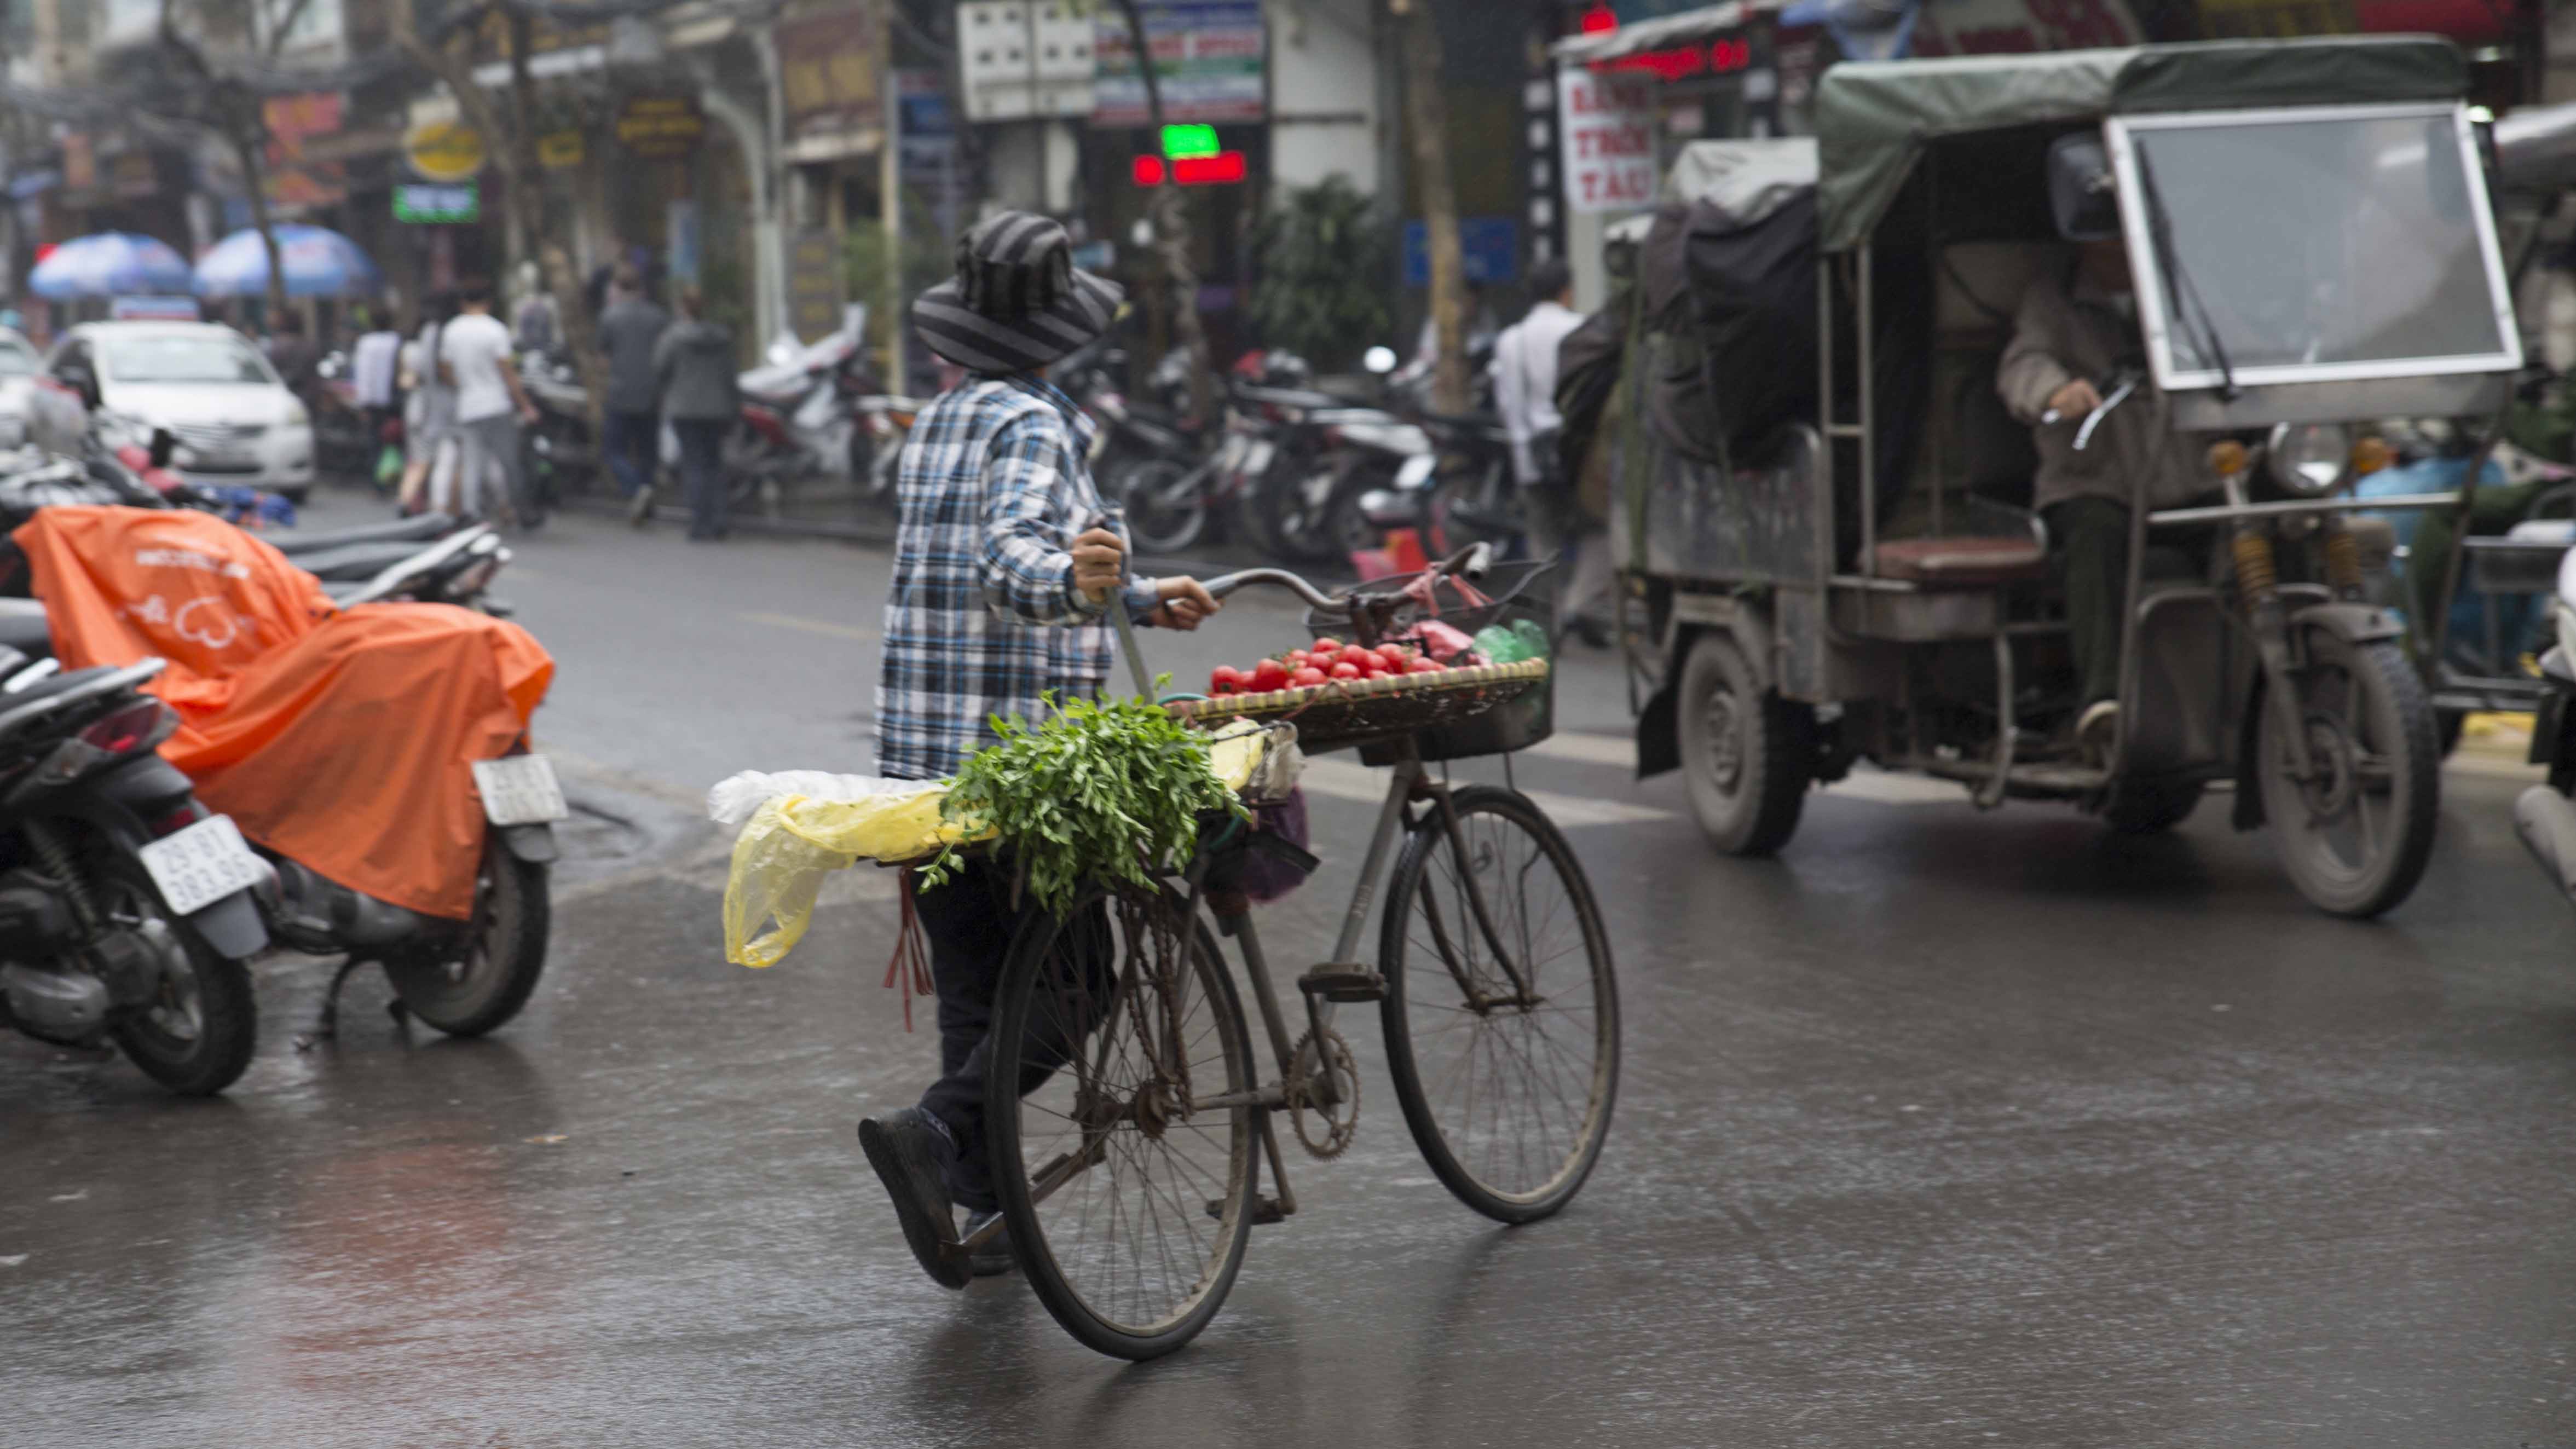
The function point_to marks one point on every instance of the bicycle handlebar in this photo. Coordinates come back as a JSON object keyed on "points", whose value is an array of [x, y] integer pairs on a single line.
{"points": [[1469, 562]]}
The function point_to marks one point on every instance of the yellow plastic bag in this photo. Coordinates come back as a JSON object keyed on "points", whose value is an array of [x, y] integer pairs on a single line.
{"points": [[792, 842]]}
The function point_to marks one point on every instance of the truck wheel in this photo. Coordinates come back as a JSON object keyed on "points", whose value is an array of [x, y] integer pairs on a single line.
{"points": [[1747, 754]]}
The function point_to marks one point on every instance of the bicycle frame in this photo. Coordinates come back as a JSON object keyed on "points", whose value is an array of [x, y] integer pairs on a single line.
{"points": [[1407, 781]]}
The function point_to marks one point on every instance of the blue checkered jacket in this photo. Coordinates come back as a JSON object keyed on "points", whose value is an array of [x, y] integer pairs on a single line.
{"points": [[983, 617]]}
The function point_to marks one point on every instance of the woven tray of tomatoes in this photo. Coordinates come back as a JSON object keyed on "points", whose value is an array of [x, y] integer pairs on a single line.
{"points": [[1338, 694]]}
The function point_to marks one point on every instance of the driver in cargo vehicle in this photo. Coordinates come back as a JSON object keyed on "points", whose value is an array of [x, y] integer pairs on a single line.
{"points": [[2075, 344]]}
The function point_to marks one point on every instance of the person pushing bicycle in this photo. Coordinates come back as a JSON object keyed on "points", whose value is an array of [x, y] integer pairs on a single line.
{"points": [[1000, 594]]}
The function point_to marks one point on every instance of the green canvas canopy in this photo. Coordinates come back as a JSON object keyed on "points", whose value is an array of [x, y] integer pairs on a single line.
{"points": [[1873, 118]]}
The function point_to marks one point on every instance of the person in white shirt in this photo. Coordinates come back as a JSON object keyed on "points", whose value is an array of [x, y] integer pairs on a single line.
{"points": [[1525, 394], [474, 359]]}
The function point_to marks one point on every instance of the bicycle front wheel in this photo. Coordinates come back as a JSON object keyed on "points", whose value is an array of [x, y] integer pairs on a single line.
{"points": [[1128, 1202], [1505, 1063]]}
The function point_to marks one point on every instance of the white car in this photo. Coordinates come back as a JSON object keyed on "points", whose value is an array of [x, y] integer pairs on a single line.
{"points": [[33, 409], [235, 422]]}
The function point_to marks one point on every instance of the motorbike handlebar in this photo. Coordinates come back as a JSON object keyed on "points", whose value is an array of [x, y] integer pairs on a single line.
{"points": [[1469, 562]]}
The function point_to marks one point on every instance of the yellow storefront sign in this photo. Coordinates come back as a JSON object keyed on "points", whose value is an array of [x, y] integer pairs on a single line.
{"points": [[445, 150]]}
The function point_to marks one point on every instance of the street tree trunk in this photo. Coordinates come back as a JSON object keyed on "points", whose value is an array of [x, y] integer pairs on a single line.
{"points": [[236, 112], [248, 142], [1172, 232], [514, 153], [1426, 122]]}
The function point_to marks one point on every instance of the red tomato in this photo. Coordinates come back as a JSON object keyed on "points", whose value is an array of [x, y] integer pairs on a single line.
{"points": [[1423, 666], [1346, 671], [1324, 658], [1268, 675], [1326, 641], [1309, 675], [1298, 659], [1225, 680]]}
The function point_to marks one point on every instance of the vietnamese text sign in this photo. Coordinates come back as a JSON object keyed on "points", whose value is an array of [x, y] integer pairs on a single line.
{"points": [[828, 68], [437, 204], [1608, 125], [1208, 56]]}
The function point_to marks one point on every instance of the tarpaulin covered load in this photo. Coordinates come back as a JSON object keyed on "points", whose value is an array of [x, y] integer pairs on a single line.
{"points": [[342, 739]]}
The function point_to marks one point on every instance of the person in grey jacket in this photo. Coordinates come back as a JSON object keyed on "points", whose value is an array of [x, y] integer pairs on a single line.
{"points": [[632, 433], [2070, 338], [694, 365]]}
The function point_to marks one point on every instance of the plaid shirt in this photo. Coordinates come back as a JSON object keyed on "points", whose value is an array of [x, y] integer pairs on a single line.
{"points": [[983, 617]]}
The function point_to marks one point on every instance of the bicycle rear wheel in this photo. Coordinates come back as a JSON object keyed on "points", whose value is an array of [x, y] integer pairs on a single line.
{"points": [[1507, 1092], [1128, 1205]]}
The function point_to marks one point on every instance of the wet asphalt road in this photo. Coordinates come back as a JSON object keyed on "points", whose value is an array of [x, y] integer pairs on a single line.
{"points": [[1940, 1129]]}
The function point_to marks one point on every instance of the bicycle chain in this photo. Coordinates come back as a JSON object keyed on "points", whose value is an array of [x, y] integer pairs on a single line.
{"points": [[1340, 1066]]}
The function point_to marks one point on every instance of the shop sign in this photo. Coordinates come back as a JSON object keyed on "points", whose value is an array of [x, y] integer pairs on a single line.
{"points": [[437, 204], [828, 68], [445, 150], [559, 150], [307, 187], [1208, 56], [2015, 27], [1489, 250], [1608, 126], [293, 120], [929, 130], [660, 128]]}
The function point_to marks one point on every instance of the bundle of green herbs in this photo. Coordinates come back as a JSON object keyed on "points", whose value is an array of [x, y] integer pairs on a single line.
{"points": [[1109, 790]]}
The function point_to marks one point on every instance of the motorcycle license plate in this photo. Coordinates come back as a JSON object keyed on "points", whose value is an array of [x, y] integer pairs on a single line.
{"points": [[520, 790], [202, 864]]}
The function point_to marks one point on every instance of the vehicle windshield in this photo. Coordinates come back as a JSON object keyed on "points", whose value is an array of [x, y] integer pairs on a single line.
{"points": [[185, 357], [17, 359], [2333, 242]]}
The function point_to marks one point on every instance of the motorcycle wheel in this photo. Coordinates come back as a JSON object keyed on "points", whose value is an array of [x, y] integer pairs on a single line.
{"points": [[197, 1035], [479, 974], [2354, 836], [1160, 524], [1297, 506]]}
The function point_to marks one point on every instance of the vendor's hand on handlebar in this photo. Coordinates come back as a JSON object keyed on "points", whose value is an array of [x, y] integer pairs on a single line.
{"points": [[1099, 563], [1186, 604], [2075, 399]]}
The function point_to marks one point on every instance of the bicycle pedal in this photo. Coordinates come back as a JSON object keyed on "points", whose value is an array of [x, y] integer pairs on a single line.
{"points": [[1265, 1211], [1343, 983]]}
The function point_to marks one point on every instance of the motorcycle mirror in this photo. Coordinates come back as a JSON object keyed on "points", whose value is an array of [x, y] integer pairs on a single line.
{"points": [[1379, 361], [164, 443]]}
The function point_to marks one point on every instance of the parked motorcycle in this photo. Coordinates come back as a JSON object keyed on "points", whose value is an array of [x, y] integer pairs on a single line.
{"points": [[126, 908], [2545, 815], [1450, 478], [464, 976], [817, 411]]}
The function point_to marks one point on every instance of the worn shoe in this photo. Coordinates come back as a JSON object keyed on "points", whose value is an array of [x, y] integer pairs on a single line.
{"points": [[992, 1259], [905, 1150], [640, 511], [2098, 729]]}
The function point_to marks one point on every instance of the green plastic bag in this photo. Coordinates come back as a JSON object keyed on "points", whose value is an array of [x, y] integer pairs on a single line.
{"points": [[389, 466]]}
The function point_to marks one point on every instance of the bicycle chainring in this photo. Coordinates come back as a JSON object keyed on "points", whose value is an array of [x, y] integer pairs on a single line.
{"points": [[1324, 1128]]}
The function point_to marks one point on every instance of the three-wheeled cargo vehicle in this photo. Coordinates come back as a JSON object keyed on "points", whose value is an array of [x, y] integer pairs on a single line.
{"points": [[1825, 513]]}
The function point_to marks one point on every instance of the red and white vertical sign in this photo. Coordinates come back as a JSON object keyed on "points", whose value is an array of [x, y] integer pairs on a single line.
{"points": [[1608, 126]]}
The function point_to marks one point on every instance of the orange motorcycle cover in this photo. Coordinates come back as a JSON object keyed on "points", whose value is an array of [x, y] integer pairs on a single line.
{"points": [[343, 739]]}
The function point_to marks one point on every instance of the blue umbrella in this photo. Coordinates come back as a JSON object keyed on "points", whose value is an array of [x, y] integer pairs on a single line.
{"points": [[110, 264], [319, 263]]}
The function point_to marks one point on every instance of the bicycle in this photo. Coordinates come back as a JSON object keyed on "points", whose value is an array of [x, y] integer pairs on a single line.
{"points": [[1125, 1123]]}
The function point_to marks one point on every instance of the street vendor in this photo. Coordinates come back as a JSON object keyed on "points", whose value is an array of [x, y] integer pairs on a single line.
{"points": [[2074, 334], [1002, 579]]}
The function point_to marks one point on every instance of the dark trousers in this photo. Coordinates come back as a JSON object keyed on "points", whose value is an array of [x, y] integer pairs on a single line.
{"points": [[2092, 534], [633, 443], [969, 923], [702, 473]]}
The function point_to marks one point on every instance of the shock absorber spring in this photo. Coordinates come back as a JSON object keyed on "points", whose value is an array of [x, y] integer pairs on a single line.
{"points": [[2255, 572], [58, 862], [2343, 560]]}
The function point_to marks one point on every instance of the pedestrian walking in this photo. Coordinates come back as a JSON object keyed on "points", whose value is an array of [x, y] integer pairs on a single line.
{"points": [[491, 404], [693, 365], [429, 414], [631, 427], [1560, 526], [1000, 584]]}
